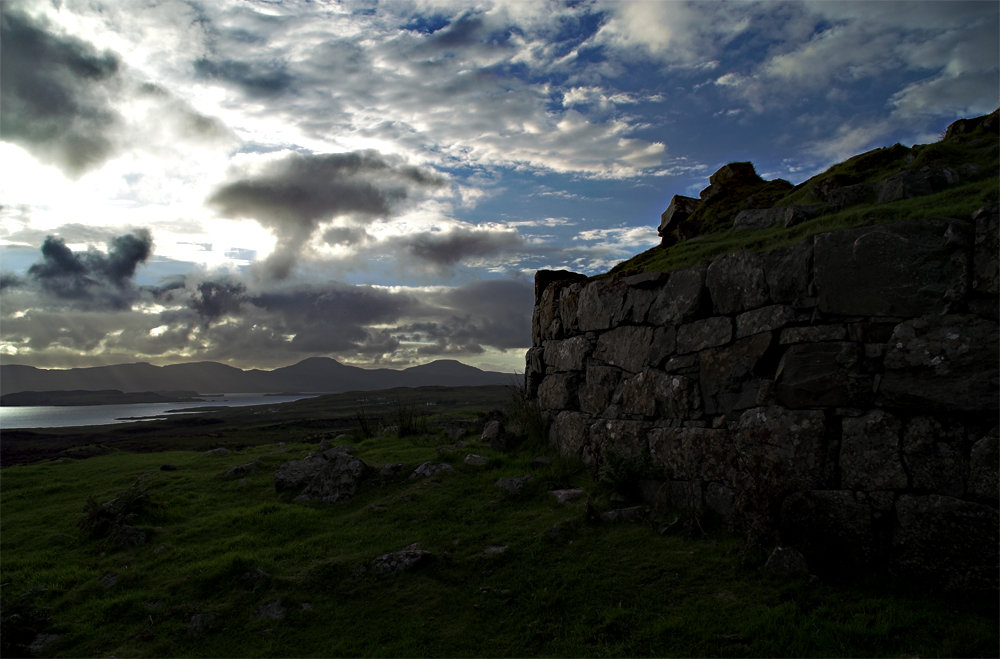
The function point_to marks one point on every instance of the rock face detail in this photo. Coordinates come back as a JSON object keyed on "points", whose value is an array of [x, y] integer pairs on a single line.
{"points": [[855, 374]]}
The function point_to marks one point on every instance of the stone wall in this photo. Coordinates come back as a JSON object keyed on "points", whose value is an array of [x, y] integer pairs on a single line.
{"points": [[845, 387]]}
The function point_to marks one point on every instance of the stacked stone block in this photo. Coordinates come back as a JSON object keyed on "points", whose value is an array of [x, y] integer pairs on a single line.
{"points": [[859, 367]]}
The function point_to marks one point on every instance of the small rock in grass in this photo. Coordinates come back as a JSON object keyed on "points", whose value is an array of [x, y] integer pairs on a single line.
{"points": [[272, 610], [109, 579], [160, 549], [633, 514], [513, 486], [243, 469], [541, 461], [169, 467], [155, 604], [256, 575], [40, 641], [785, 560], [306, 606], [474, 460], [400, 561], [128, 537], [494, 550], [218, 451], [567, 497], [199, 622], [431, 469]]}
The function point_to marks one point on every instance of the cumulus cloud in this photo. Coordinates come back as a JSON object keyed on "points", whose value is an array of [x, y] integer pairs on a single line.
{"points": [[292, 195], [92, 278]]}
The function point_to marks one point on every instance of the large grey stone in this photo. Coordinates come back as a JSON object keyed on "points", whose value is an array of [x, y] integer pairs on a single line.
{"points": [[850, 195], [719, 499], [786, 561], [569, 303], [637, 302], [570, 432], [904, 185], [870, 452], [679, 300], [663, 346], [559, 392], [947, 542], [597, 391], [787, 216], [404, 560], [737, 282], [680, 209], [943, 362], [296, 474], [706, 333], [545, 323], [932, 455], [727, 377], [730, 175], [514, 486], [692, 453], [833, 528], [788, 272], [599, 303], [568, 354], [984, 464], [813, 334], [905, 269], [337, 480], [625, 439], [655, 393], [794, 441], [823, 375], [986, 273], [764, 319], [626, 347]]}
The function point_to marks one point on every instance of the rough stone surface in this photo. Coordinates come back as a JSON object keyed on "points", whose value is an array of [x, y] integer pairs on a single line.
{"points": [[850, 195], [218, 452], [904, 185], [626, 347], [943, 362], [568, 354], [567, 497], [786, 561], [833, 528], [680, 209], [788, 272], [559, 392], [813, 334], [734, 173], [657, 394], [432, 469], [401, 561], [737, 282], [823, 374], [701, 334], [569, 302], [986, 259], [870, 452], [764, 319], [622, 438], [685, 454], [983, 468], [296, 474], [787, 216], [600, 301], [907, 268], [474, 460], [932, 455], [621, 515], [794, 439], [727, 377], [719, 499], [242, 470], [514, 486], [679, 300], [664, 345], [570, 432], [946, 541], [337, 480], [599, 388], [199, 623]]}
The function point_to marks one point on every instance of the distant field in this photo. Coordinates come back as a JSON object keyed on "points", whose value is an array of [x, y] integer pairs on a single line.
{"points": [[562, 585]]}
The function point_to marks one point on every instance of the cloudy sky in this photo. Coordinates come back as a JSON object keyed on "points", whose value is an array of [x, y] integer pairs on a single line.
{"points": [[258, 182]]}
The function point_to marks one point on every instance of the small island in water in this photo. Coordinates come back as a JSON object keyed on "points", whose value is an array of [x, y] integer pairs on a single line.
{"points": [[103, 397]]}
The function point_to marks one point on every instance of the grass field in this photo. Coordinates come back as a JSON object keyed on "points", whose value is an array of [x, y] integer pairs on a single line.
{"points": [[562, 587]]}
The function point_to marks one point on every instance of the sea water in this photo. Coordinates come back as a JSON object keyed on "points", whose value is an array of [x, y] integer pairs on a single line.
{"points": [[45, 416]]}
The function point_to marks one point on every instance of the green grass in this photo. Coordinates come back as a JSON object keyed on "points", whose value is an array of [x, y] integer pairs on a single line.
{"points": [[591, 590]]}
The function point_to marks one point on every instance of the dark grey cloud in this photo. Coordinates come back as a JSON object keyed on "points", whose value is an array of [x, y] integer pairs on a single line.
{"points": [[345, 236], [293, 195], [9, 280], [215, 299], [54, 95], [448, 249], [256, 80], [92, 278]]}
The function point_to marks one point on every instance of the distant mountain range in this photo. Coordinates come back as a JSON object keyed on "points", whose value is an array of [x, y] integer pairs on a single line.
{"points": [[316, 374]]}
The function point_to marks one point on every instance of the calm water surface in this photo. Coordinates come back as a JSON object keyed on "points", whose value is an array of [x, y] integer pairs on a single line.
{"points": [[37, 416]]}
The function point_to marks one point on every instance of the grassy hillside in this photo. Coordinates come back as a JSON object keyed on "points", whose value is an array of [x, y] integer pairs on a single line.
{"points": [[563, 586], [979, 146]]}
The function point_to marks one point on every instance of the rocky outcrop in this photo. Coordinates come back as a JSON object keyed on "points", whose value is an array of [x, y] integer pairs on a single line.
{"points": [[332, 476], [848, 382]]}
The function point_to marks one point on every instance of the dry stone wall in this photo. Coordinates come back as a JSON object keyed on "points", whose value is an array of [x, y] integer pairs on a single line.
{"points": [[846, 388]]}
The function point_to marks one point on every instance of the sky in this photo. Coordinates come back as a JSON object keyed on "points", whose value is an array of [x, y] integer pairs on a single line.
{"points": [[259, 182]]}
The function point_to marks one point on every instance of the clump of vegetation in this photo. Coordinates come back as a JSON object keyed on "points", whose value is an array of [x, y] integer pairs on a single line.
{"points": [[20, 621], [105, 519], [407, 421], [367, 424], [526, 413]]}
